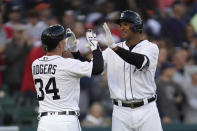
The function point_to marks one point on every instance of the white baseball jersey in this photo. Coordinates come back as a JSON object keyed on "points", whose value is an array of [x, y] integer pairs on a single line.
{"points": [[57, 82], [125, 81]]}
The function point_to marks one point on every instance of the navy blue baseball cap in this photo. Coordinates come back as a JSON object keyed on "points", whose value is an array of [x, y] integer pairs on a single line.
{"points": [[166, 65]]}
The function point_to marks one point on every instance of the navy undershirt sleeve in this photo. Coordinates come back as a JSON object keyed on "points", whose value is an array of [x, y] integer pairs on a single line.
{"points": [[131, 57], [98, 62], [78, 56]]}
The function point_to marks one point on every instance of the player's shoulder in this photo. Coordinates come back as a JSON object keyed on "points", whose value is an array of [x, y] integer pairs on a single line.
{"points": [[149, 44], [54, 58], [71, 61], [35, 61]]}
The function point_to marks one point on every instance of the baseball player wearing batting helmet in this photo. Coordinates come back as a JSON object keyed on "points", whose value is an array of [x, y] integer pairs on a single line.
{"points": [[57, 79], [130, 67]]}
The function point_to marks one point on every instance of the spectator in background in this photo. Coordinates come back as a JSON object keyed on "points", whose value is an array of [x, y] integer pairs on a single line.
{"points": [[189, 33], [6, 34], [14, 17], [99, 92], [190, 89], [15, 55], [51, 20], [101, 10], [173, 26], [193, 48], [179, 60], [2, 6], [84, 101], [35, 27], [105, 6], [68, 19], [163, 55], [170, 95], [44, 11], [164, 4], [152, 26], [96, 117]]}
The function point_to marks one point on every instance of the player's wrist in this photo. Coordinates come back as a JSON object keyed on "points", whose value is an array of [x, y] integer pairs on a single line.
{"points": [[115, 48], [113, 45]]}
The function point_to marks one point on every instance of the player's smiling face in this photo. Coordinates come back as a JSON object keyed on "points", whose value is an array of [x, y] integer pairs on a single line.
{"points": [[125, 30]]}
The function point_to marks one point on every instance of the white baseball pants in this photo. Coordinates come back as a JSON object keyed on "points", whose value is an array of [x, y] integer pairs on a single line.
{"points": [[144, 118], [59, 123]]}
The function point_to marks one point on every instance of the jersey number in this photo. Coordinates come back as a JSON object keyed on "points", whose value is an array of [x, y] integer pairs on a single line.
{"points": [[54, 90]]}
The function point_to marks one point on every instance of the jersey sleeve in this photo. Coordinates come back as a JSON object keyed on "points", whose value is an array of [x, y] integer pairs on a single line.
{"points": [[151, 52], [79, 69], [105, 58]]}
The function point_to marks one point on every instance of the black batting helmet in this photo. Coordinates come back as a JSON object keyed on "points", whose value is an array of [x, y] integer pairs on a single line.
{"points": [[51, 36], [134, 18]]}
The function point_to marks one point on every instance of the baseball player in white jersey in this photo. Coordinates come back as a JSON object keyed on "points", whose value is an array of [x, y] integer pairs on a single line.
{"points": [[130, 67], [57, 79]]}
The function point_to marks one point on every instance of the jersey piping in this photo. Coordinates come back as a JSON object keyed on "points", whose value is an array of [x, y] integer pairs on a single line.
{"points": [[124, 80], [50, 59], [130, 83]]}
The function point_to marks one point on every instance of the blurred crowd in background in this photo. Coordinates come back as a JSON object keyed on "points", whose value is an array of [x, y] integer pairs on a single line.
{"points": [[171, 24]]}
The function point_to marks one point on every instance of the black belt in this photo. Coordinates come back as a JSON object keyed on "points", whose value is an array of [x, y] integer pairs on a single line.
{"points": [[76, 113], [134, 104]]}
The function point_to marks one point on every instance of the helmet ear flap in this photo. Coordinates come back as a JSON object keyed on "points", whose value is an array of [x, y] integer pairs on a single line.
{"points": [[136, 28], [133, 28]]}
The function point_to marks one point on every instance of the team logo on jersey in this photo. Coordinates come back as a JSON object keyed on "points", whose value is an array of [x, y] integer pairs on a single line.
{"points": [[45, 58]]}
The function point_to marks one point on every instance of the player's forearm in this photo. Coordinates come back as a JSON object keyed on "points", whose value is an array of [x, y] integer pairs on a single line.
{"points": [[97, 62], [78, 56], [131, 57]]}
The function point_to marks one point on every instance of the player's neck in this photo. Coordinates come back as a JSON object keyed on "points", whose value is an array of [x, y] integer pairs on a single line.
{"points": [[51, 53], [133, 41]]}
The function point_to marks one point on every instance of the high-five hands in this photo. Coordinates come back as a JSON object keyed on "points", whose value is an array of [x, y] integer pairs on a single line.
{"points": [[108, 37], [71, 41], [91, 38]]}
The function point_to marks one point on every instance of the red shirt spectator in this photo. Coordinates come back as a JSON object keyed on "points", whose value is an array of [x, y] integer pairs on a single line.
{"points": [[9, 32], [27, 81]]}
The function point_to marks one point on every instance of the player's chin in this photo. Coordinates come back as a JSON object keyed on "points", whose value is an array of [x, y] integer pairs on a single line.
{"points": [[123, 35]]}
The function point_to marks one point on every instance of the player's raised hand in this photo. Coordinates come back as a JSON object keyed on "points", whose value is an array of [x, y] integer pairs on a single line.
{"points": [[91, 38], [71, 41], [108, 36]]}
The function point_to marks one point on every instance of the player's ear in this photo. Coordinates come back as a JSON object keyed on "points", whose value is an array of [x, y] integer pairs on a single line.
{"points": [[59, 45], [62, 44]]}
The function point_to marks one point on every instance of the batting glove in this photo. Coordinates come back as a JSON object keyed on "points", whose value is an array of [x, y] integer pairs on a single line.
{"points": [[91, 38], [108, 37], [71, 41]]}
